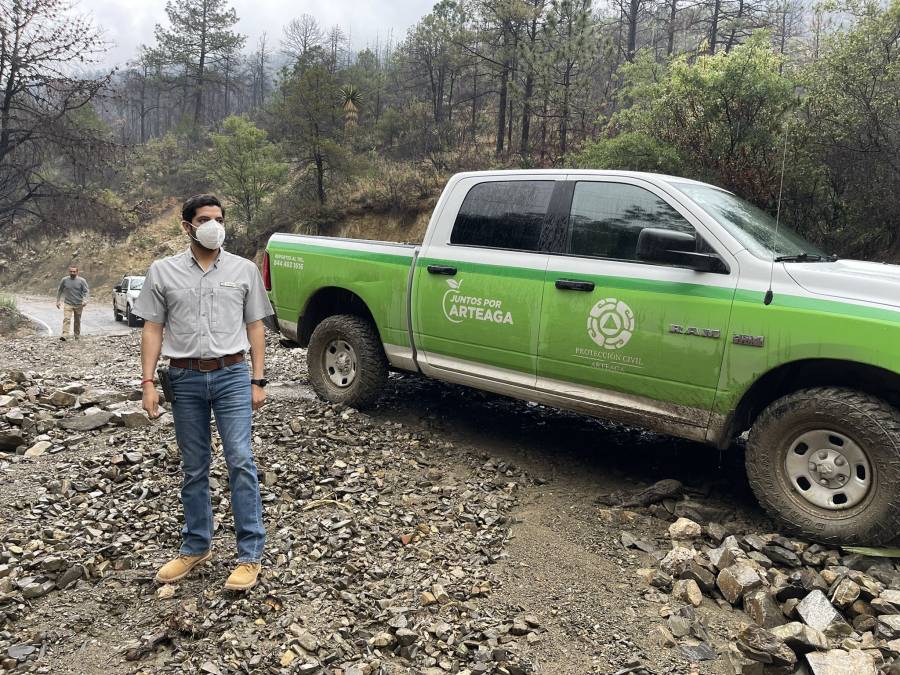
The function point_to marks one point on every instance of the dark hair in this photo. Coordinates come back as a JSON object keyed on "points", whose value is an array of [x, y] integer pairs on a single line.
{"points": [[189, 208]]}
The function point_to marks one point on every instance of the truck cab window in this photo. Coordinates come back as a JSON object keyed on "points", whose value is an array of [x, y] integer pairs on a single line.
{"points": [[503, 214], [606, 219]]}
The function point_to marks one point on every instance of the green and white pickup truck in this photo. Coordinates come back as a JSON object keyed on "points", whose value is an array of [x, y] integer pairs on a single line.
{"points": [[650, 300]]}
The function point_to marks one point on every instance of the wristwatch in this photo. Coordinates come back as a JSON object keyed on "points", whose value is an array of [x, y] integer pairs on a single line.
{"points": [[260, 383]]}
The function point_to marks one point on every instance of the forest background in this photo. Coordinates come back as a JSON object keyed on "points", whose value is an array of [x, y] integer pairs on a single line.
{"points": [[300, 129]]}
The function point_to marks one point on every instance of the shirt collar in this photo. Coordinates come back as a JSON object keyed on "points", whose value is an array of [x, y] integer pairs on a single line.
{"points": [[190, 259]]}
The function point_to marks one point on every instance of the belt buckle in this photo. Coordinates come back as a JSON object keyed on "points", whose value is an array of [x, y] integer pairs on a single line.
{"points": [[205, 370]]}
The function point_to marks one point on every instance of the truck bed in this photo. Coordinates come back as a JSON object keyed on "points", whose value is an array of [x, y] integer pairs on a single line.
{"points": [[375, 271]]}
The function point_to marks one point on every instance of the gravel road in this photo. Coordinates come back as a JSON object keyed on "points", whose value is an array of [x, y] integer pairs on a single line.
{"points": [[444, 531], [96, 319]]}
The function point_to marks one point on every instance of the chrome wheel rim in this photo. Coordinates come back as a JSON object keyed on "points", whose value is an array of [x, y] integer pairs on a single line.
{"points": [[828, 470], [340, 363]]}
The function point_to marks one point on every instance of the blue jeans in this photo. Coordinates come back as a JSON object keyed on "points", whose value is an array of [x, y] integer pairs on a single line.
{"points": [[225, 392]]}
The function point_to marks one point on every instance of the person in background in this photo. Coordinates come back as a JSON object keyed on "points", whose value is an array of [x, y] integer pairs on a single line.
{"points": [[73, 291], [203, 309]]}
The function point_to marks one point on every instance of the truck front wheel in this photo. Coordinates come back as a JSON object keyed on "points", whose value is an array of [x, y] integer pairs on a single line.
{"points": [[346, 361], [825, 462]]}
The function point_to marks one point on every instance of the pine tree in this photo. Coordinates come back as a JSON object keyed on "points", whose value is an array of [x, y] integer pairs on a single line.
{"points": [[200, 37]]}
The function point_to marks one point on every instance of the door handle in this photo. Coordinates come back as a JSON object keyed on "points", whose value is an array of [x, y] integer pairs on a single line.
{"points": [[574, 285], [441, 269]]}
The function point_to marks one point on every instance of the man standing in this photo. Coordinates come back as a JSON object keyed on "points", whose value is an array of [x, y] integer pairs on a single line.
{"points": [[203, 308], [73, 290]]}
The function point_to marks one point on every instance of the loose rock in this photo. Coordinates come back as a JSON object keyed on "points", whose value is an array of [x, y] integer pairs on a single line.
{"points": [[800, 637], [761, 645], [763, 609], [815, 611], [687, 590], [685, 528], [736, 580], [840, 662]]}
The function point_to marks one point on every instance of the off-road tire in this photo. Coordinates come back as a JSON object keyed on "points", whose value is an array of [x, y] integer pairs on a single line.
{"points": [[116, 315], [372, 369], [868, 421], [130, 318]]}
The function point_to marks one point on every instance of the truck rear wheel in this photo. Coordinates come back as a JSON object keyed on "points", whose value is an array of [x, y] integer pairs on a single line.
{"points": [[825, 462], [130, 318], [346, 361]]}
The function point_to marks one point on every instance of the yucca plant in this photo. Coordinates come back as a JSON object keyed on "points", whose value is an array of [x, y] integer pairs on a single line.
{"points": [[350, 102]]}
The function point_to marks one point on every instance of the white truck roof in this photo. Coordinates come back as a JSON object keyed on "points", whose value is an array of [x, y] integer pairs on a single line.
{"points": [[582, 172]]}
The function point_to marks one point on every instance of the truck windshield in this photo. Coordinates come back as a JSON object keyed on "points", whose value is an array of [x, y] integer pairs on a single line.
{"points": [[136, 284], [752, 226]]}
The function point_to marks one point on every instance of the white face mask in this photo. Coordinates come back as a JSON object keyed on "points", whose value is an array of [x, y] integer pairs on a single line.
{"points": [[210, 234]]}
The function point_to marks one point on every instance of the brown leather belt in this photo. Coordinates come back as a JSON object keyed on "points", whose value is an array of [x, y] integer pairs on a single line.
{"points": [[207, 365]]}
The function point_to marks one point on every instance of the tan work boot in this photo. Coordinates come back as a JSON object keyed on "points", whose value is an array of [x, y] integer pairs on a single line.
{"points": [[244, 577], [180, 567]]}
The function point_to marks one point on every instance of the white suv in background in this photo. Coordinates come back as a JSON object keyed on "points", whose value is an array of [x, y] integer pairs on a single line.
{"points": [[124, 295]]}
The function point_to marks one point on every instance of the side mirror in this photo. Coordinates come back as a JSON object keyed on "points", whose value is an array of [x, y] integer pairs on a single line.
{"points": [[117, 289], [672, 247]]}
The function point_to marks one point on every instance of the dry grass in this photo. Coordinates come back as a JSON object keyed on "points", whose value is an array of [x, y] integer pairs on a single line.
{"points": [[407, 227], [395, 186]]}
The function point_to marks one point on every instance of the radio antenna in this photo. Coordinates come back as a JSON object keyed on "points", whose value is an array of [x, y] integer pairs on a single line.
{"points": [[767, 300]]}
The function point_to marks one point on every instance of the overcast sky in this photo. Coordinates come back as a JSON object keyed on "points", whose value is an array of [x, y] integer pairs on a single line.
{"points": [[129, 23]]}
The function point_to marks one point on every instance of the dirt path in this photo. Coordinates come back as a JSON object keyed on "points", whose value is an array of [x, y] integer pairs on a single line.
{"points": [[565, 563]]}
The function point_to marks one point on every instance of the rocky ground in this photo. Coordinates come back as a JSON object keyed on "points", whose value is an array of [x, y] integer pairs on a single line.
{"points": [[445, 531]]}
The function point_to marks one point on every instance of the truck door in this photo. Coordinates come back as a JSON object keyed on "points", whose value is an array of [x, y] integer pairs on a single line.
{"points": [[479, 281], [618, 331]]}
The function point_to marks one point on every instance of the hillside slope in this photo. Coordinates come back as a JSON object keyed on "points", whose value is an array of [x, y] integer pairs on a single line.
{"points": [[37, 269]]}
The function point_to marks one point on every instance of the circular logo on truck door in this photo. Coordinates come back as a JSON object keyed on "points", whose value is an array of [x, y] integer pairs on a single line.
{"points": [[611, 323]]}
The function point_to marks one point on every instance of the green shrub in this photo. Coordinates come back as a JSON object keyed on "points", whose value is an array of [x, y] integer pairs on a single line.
{"points": [[631, 151]]}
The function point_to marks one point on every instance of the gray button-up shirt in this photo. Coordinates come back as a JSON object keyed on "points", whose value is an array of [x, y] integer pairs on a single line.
{"points": [[73, 291], [204, 314]]}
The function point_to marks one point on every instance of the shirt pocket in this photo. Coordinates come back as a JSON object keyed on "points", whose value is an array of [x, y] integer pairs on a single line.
{"points": [[183, 309], [228, 313]]}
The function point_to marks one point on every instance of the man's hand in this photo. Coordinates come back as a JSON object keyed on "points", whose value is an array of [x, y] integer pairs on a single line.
{"points": [[258, 396], [151, 342], [150, 401], [57, 306]]}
